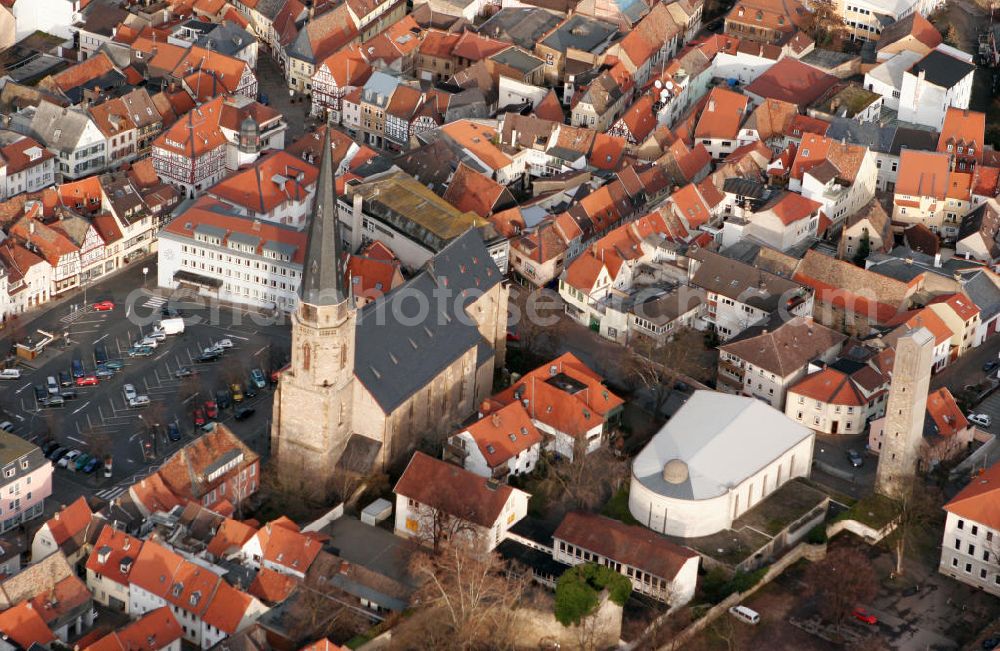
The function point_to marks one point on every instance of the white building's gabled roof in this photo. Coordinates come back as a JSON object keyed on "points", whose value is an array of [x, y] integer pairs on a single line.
{"points": [[713, 443]]}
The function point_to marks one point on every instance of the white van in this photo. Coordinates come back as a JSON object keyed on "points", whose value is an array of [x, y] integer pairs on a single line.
{"points": [[10, 374], [53, 385], [745, 615]]}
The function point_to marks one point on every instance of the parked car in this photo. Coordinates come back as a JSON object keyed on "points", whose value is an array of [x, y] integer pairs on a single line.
{"points": [[225, 344], [52, 385], [863, 615], [855, 458], [237, 392], [156, 335], [48, 445], [982, 420], [76, 368], [40, 393], [87, 381], [7, 426], [169, 312], [57, 454], [81, 461], [243, 412], [173, 431], [146, 341], [140, 351], [199, 417], [64, 379], [69, 394], [100, 354], [104, 306], [129, 391], [250, 391], [103, 373], [54, 401], [10, 374], [223, 398], [184, 372], [257, 378], [68, 458], [211, 409], [991, 643], [91, 465], [139, 401], [114, 364], [207, 356], [990, 365]]}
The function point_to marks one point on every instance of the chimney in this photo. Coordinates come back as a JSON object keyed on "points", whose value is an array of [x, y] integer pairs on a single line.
{"points": [[495, 419], [711, 106]]}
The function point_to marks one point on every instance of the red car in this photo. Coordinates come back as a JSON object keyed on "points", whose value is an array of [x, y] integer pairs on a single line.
{"points": [[87, 381], [104, 306], [211, 409], [863, 615], [199, 417]]}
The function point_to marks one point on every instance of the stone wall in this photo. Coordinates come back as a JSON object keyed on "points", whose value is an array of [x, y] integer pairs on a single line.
{"points": [[540, 629]]}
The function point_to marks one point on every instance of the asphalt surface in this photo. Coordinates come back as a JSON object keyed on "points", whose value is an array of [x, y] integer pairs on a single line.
{"points": [[99, 419]]}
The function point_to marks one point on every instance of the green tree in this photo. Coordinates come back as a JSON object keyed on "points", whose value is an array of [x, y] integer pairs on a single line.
{"points": [[579, 588]]}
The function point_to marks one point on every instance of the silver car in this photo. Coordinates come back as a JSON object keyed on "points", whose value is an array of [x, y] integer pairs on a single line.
{"points": [[130, 392]]}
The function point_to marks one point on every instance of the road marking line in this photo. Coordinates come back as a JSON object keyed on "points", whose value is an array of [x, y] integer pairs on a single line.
{"points": [[238, 337], [81, 408], [262, 349], [22, 388], [19, 417], [73, 438]]}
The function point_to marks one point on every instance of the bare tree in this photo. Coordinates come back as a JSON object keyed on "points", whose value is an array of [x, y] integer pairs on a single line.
{"points": [[917, 506], [842, 580], [468, 599], [436, 529], [298, 497], [589, 479], [657, 368], [823, 23]]}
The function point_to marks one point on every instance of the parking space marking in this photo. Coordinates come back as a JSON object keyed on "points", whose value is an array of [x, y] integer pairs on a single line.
{"points": [[73, 438], [23, 388], [102, 338], [81, 408]]}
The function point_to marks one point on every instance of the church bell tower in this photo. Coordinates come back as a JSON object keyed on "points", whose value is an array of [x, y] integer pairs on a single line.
{"points": [[314, 399]]}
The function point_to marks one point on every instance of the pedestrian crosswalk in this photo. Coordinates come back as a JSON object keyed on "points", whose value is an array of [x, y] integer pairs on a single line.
{"points": [[154, 301], [74, 315], [109, 494]]}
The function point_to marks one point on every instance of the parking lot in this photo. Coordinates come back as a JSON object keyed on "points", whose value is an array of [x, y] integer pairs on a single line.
{"points": [[99, 419]]}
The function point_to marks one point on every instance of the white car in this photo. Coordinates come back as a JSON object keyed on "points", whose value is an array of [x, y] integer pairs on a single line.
{"points": [[68, 457], [7, 426], [130, 392], [139, 401], [10, 374], [156, 335], [53, 385], [223, 343], [146, 341], [982, 420]]}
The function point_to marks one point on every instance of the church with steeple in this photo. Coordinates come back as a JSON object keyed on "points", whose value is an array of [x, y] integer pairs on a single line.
{"points": [[366, 385]]}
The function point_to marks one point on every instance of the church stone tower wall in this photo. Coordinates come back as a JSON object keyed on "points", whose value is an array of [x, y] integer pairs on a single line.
{"points": [[904, 414]]}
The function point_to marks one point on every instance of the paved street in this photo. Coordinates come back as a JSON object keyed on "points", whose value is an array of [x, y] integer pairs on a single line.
{"points": [[271, 83], [100, 419]]}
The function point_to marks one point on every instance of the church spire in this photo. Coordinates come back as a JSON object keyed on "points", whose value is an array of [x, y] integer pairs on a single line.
{"points": [[322, 275]]}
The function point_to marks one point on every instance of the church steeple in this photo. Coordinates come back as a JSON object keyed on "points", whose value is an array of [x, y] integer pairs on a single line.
{"points": [[322, 275]]}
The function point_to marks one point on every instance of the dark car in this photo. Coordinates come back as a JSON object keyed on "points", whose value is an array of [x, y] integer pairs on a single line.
{"points": [[243, 412], [855, 458], [224, 400], [990, 365], [991, 642], [48, 446], [69, 394], [100, 354], [207, 356], [185, 371], [114, 364], [65, 380], [91, 465], [173, 432], [103, 372], [41, 393], [56, 454], [250, 391], [168, 312]]}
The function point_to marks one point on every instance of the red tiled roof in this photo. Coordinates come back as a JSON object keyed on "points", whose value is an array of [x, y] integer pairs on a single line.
{"points": [[504, 434], [829, 386], [24, 626], [109, 554], [722, 115], [979, 501], [453, 490], [792, 81], [272, 587], [70, 521], [230, 537], [945, 412], [269, 182], [922, 174], [471, 191]]}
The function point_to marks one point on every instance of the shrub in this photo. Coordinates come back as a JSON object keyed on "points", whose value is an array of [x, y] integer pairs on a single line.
{"points": [[579, 588], [816, 535], [717, 585]]}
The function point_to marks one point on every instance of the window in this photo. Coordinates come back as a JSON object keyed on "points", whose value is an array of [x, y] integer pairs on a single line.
{"points": [[958, 544], [972, 549], [968, 568], [975, 530], [961, 524]]}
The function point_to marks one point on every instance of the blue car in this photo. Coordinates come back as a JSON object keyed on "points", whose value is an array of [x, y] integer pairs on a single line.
{"points": [[173, 432], [91, 465], [257, 378]]}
